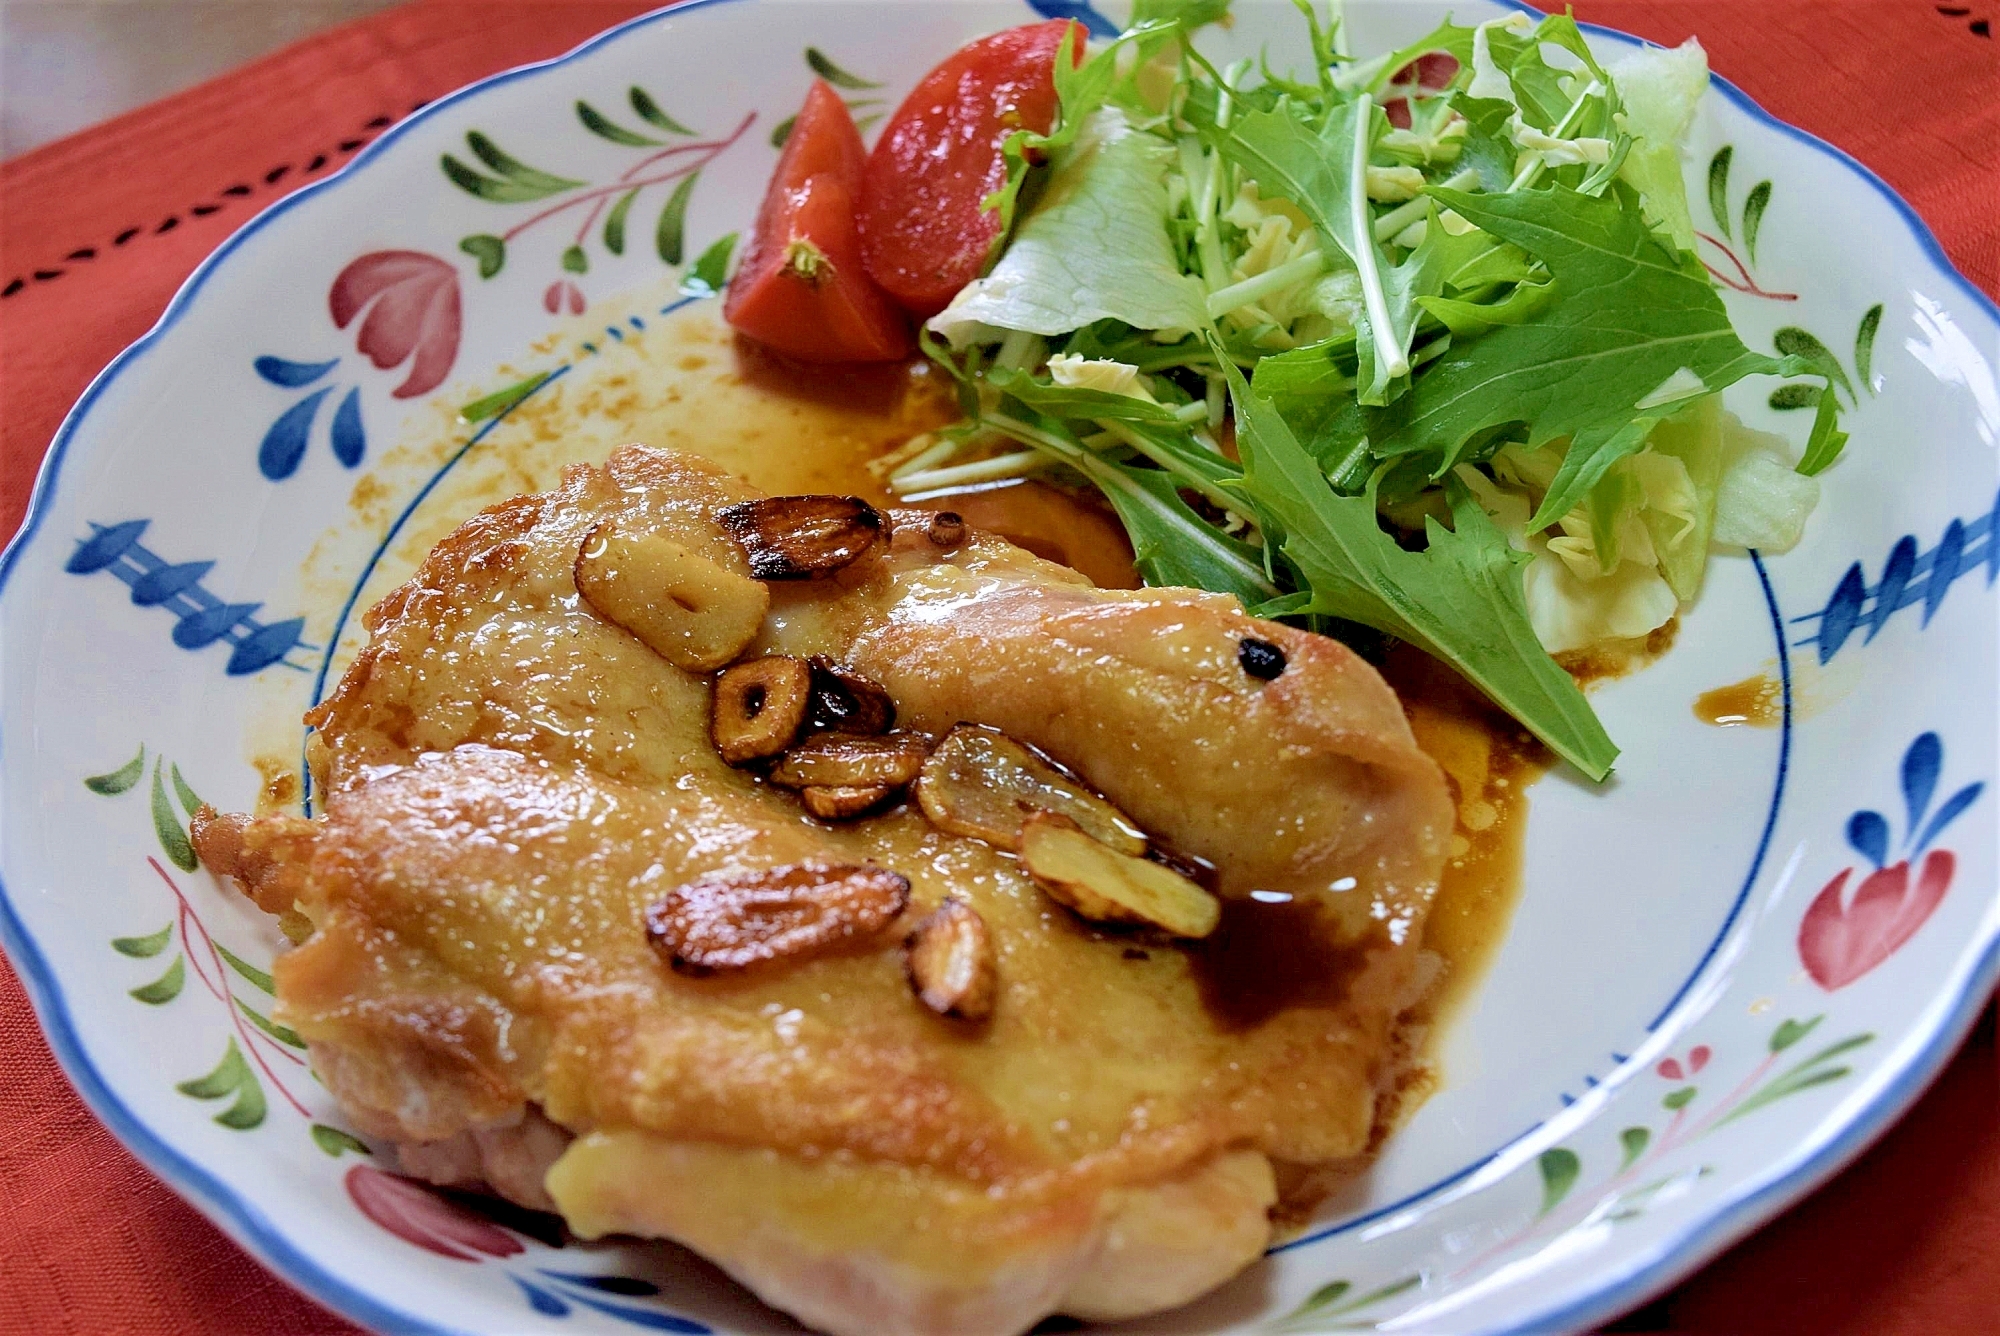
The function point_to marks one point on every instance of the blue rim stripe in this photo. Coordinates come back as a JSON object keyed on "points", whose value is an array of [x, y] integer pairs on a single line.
{"points": [[262, 1238]]}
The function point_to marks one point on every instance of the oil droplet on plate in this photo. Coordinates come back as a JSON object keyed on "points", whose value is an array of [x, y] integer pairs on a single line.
{"points": [[1757, 701]]}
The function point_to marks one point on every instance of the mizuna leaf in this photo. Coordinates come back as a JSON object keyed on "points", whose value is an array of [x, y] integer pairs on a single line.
{"points": [[114, 782], [1629, 316], [649, 110], [1826, 440], [670, 236], [173, 838], [1460, 599], [165, 988], [832, 73], [598, 124], [1559, 1169], [614, 223], [143, 948]]}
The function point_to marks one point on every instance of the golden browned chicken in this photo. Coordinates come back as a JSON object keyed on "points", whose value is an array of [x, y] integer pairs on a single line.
{"points": [[560, 946]]}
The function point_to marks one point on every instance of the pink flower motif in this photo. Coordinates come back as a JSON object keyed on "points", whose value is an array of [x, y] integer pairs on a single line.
{"points": [[1841, 942], [1673, 1070], [417, 1215], [562, 292], [413, 313]]}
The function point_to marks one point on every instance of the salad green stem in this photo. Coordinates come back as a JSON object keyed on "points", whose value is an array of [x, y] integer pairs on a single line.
{"points": [[1259, 286], [932, 456], [1387, 351], [1532, 168], [1400, 217], [996, 469]]}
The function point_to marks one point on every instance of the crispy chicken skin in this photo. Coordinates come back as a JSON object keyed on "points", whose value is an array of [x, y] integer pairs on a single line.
{"points": [[509, 780]]}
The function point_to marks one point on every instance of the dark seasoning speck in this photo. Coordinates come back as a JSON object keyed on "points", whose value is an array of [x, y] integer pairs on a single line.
{"points": [[1260, 658]]}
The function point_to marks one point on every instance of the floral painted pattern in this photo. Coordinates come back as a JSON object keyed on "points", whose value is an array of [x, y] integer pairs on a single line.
{"points": [[1843, 936]]}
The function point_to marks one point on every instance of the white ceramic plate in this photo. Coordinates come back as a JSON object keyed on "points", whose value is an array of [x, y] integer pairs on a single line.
{"points": [[1731, 969]]}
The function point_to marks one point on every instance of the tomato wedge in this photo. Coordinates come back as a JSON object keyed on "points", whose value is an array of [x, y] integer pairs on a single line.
{"points": [[802, 288], [923, 234]]}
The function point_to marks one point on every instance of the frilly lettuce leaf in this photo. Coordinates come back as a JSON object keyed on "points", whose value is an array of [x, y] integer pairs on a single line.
{"points": [[1094, 247]]}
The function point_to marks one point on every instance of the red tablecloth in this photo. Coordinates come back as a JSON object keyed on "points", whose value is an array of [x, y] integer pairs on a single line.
{"points": [[97, 231]]}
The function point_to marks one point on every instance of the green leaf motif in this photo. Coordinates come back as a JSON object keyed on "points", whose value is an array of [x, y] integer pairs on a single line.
{"points": [[1864, 346], [516, 183], [232, 1076], [1718, 186], [498, 402], [649, 111], [1329, 1301], [614, 223], [114, 782], [489, 250], [173, 838], [1790, 1032], [1813, 1071], [710, 270], [1753, 216], [247, 970], [832, 73], [598, 124], [143, 948], [1788, 397], [575, 261], [1795, 342], [670, 237], [190, 801], [782, 131], [1679, 1099], [334, 1141], [270, 1027], [165, 988], [1559, 1169], [1634, 1141]]}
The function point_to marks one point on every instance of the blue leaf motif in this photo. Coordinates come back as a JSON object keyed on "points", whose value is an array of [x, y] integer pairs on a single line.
{"points": [[1921, 764], [626, 1285], [285, 444], [291, 375], [1868, 832], [1955, 804], [168, 582], [105, 546], [349, 441], [264, 646], [200, 629], [540, 1299], [645, 1317]]}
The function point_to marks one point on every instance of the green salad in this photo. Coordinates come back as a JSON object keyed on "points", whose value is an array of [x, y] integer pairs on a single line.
{"points": [[1449, 374]]}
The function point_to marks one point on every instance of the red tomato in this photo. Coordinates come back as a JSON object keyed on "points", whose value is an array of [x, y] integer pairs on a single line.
{"points": [[802, 288], [923, 234]]}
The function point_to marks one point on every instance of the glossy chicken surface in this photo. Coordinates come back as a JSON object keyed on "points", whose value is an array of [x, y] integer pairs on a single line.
{"points": [[509, 780]]}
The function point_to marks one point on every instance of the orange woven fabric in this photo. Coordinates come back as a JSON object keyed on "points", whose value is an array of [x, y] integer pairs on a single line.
{"points": [[98, 230]]}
